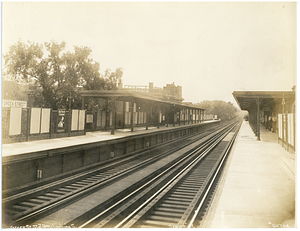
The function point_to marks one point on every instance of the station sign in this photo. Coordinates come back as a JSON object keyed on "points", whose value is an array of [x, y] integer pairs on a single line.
{"points": [[14, 103], [89, 118], [61, 112]]}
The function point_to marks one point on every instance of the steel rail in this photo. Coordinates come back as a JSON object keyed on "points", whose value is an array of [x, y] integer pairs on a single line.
{"points": [[16, 196], [137, 190], [228, 148], [145, 185], [181, 174], [91, 187], [45, 207]]}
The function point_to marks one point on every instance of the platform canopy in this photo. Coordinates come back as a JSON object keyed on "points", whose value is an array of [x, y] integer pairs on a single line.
{"points": [[247, 99], [256, 101], [129, 96]]}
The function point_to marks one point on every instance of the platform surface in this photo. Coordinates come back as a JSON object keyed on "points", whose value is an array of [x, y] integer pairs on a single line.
{"points": [[90, 137], [258, 186]]}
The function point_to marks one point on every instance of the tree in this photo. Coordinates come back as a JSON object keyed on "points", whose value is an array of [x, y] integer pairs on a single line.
{"points": [[224, 111], [13, 91], [57, 73], [22, 59]]}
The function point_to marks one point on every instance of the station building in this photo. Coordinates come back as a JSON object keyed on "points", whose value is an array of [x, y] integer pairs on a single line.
{"points": [[127, 107], [141, 106], [273, 109]]}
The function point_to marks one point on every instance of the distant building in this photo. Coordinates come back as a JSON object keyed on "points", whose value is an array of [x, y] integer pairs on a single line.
{"points": [[169, 92], [173, 92]]}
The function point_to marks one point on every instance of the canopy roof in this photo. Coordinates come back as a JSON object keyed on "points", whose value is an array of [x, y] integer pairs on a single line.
{"points": [[247, 99], [129, 96]]}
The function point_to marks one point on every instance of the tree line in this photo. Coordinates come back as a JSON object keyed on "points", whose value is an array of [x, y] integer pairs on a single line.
{"points": [[224, 110], [58, 74]]}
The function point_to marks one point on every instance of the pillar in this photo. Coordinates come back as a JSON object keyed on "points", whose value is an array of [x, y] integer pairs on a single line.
{"points": [[131, 119], [113, 126], [147, 116], [82, 103], [107, 117], [174, 116], [257, 119], [167, 116], [124, 112], [284, 138], [158, 110], [193, 116]]}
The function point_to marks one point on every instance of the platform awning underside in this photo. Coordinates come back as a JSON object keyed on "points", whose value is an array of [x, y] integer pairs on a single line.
{"points": [[134, 96], [247, 100]]}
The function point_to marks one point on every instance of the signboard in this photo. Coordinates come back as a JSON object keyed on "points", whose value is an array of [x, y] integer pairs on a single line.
{"points": [[16, 121], [89, 118], [14, 103], [61, 112]]}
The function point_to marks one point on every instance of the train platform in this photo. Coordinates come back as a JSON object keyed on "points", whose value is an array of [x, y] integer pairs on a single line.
{"points": [[257, 189], [90, 137]]}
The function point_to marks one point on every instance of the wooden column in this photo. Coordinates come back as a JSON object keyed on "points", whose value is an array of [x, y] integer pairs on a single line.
{"points": [[284, 133], [113, 126], [200, 116], [137, 115], [131, 119], [257, 119], [158, 117], [147, 116], [193, 115], [174, 116], [124, 113], [107, 117], [167, 114], [82, 103]]}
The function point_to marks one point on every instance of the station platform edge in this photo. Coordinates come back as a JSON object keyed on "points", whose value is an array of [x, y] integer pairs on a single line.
{"points": [[257, 189], [19, 148]]}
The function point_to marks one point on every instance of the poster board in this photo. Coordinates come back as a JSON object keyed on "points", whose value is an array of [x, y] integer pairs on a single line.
{"points": [[45, 124], [35, 120], [81, 120], [74, 125], [15, 121]]}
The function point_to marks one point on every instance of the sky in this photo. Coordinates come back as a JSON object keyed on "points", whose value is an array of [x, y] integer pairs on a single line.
{"points": [[210, 49]]}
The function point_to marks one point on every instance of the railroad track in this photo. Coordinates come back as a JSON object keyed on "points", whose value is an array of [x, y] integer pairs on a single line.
{"points": [[180, 203], [173, 198], [25, 207]]}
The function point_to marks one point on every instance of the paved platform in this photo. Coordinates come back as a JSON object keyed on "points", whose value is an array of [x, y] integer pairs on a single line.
{"points": [[90, 137], [258, 186]]}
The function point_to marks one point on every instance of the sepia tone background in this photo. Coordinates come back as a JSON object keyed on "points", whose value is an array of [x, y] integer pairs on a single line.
{"points": [[210, 49]]}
